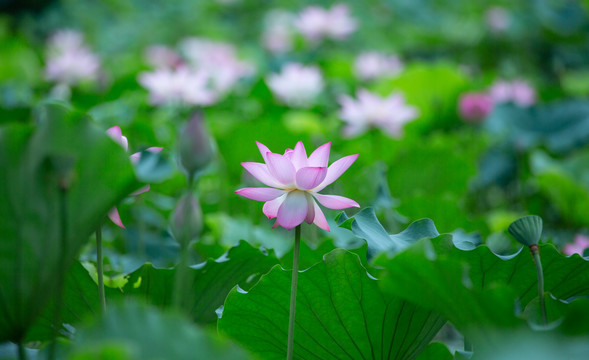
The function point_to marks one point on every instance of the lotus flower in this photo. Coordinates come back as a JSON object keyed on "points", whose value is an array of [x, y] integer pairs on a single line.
{"points": [[372, 65], [370, 110], [474, 106], [296, 85], [518, 91], [316, 23], [116, 134], [578, 246], [278, 31], [182, 85], [295, 181], [69, 61]]}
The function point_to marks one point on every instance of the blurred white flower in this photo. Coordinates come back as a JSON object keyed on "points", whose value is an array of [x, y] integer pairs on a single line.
{"points": [[370, 110], [316, 23], [296, 85], [178, 86], [217, 59], [518, 91], [69, 61], [278, 31], [161, 56], [371, 65], [497, 19]]}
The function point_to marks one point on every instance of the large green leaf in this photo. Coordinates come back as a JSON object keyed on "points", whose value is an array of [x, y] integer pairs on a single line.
{"points": [[211, 282], [63, 147], [478, 290], [341, 314], [132, 332]]}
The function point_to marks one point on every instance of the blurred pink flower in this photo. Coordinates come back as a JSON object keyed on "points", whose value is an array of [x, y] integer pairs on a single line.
{"points": [[69, 61], [518, 91], [497, 19], [578, 246], [296, 85], [474, 107], [389, 114], [316, 23], [278, 31], [219, 60], [295, 181], [161, 56], [116, 134], [181, 86], [371, 65]]}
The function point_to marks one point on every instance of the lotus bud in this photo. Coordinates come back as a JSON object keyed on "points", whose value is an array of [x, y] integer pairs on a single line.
{"points": [[196, 146], [527, 230], [186, 223]]}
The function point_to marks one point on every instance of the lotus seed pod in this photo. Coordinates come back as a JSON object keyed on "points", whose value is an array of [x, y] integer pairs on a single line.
{"points": [[187, 220], [527, 230], [196, 146]]}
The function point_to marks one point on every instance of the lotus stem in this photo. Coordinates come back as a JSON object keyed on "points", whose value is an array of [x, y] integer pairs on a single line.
{"points": [[22, 352], [293, 293], [100, 269], [536, 254]]}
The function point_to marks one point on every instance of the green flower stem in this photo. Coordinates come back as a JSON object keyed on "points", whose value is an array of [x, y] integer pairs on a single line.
{"points": [[536, 254], [293, 293], [99, 269], [22, 352]]}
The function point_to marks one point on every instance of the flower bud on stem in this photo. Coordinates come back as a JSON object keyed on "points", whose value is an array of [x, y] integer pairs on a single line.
{"points": [[293, 293]]}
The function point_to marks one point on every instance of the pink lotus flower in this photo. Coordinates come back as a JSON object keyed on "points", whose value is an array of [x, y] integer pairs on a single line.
{"points": [[518, 91], [389, 114], [181, 86], [278, 31], [295, 181], [316, 23], [161, 56], [474, 107], [497, 19], [69, 61], [372, 65], [296, 85], [578, 246], [116, 134]]}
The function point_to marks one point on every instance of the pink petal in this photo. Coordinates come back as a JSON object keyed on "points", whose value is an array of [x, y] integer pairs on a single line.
{"points": [[281, 168], [309, 177], [154, 149], [335, 202], [270, 208], [310, 209], [137, 156], [113, 215], [320, 156], [116, 134], [140, 191], [320, 220], [299, 156], [293, 210], [260, 172], [263, 150], [260, 194], [336, 169]]}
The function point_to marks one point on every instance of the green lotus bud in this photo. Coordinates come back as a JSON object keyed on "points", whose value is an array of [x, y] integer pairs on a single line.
{"points": [[186, 223], [196, 146], [527, 230]]}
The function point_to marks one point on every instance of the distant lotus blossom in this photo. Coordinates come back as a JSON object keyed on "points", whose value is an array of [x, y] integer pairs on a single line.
{"points": [[296, 85], [178, 86], [278, 31], [217, 59], [161, 56], [316, 23], [475, 106], [295, 181], [370, 110], [518, 91], [69, 61], [578, 246], [497, 19], [116, 134], [371, 65]]}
